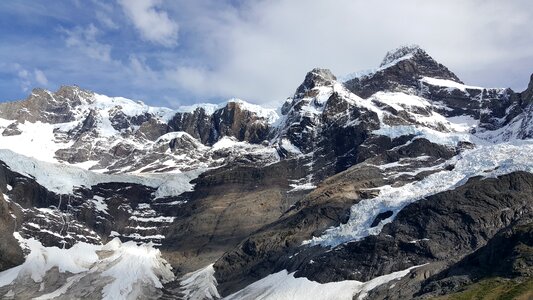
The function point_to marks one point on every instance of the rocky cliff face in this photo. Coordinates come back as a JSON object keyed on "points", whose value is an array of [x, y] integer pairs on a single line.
{"points": [[397, 183], [401, 69]]}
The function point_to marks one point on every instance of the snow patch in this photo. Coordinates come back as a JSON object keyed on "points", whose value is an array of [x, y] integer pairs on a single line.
{"points": [[289, 147], [37, 140], [434, 136], [200, 284], [99, 204], [63, 179], [130, 266], [463, 123], [76, 259], [226, 142], [209, 108], [284, 286], [449, 84]]}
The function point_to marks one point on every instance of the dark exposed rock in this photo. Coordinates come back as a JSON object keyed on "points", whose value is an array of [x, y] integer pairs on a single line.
{"points": [[267, 250], [118, 119], [442, 228], [247, 212], [44, 106], [508, 254], [197, 124], [401, 75], [232, 120], [527, 95], [152, 129], [326, 206], [380, 217], [227, 205], [316, 77], [10, 251], [12, 129]]}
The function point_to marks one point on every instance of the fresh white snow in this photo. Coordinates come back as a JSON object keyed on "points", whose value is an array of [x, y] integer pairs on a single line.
{"points": [[99, 204], [434, 136], [226, 142], [463, 123], [37, 141], [200, 284], [63, 179], [449, 84], [123, 273], [284, 286], [131, 264], [75, 260], [392, 58], [209, 108], [127, 106], [287, 145]]}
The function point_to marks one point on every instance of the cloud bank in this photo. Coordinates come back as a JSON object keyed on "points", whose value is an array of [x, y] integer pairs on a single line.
{"points": [[181, 52]]}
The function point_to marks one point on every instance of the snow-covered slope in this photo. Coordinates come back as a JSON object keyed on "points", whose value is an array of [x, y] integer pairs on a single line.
{"points": [[112, 271], [285, 286], [112, 134], [64, 179]]}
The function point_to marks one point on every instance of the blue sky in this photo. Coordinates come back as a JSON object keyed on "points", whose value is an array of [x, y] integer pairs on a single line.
{"points": [[171, 53]]}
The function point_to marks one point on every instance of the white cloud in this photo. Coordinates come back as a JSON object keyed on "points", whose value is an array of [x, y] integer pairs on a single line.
{"points": [[84, 39], [24, 79], [105, 20], [40, 77], [153, 24], [261, 50], [191, 79]]}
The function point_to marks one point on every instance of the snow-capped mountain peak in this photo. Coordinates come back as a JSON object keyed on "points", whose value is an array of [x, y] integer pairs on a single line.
{"points": [[314, 78], [401, 53]]}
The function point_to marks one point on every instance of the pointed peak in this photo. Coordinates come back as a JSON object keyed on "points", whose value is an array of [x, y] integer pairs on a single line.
{"points": [[527, 95], [323, 73], [68, 88], [72, 92], [39, 92], [401, 53], [316, 77]]}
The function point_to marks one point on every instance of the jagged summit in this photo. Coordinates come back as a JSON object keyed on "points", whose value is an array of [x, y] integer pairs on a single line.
{"points": [[400, 70], [527, 95], [402, 52], [314, 78]]}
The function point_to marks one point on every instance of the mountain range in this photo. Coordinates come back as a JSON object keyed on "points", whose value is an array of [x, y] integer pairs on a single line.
{"points": [[399, 182]]}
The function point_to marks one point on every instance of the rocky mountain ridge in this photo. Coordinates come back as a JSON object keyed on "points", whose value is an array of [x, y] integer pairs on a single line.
{"points": [[351, 184]]}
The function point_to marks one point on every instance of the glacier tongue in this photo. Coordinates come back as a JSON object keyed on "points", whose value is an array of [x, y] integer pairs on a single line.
{"points": [[485, 160], [63, 179]]}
